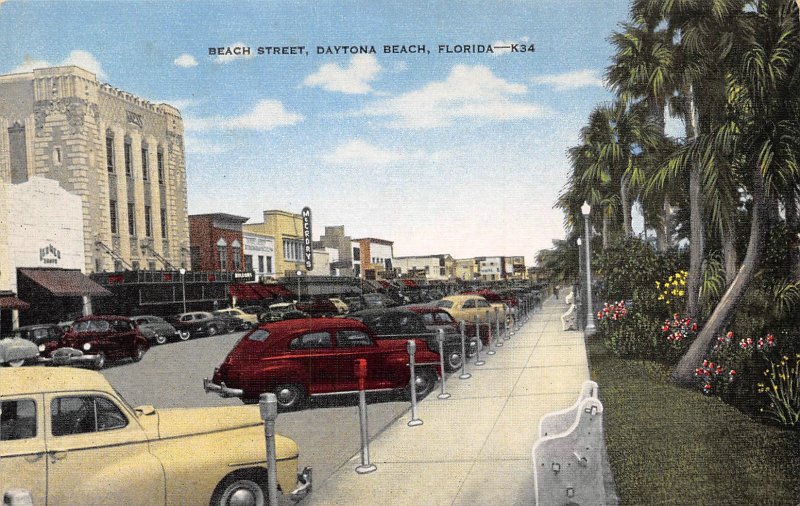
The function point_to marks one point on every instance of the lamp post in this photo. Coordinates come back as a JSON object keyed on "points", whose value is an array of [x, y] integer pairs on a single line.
{"points": [[183, 287], [581, 289], [590, 328], [299, 273]]}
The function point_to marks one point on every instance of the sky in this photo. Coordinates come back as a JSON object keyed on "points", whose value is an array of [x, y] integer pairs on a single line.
{"points": [[440, 152]]}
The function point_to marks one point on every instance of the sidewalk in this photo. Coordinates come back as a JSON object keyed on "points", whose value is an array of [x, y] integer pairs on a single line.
{"points": [[475, 447]]}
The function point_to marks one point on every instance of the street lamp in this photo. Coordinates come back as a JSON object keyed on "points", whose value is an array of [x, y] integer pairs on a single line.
{"points": [[590, 328], [299, 273], [183, 286]]}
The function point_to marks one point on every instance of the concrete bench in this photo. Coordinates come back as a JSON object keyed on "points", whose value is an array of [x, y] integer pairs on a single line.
{"points": [[569, 320], [570, 298], [567, 458]]}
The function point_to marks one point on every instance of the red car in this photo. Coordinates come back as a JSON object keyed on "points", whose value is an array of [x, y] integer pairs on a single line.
{"points": [[318, 306], [297, 359], [98, 339]]}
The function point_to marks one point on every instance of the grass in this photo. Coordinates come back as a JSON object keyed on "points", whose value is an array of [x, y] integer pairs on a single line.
{"points": [[671, 445]]}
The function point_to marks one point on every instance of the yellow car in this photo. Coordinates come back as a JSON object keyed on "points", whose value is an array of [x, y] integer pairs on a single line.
{"points": [[238, 313], [340, 305], [67, 437], [467, 307]]}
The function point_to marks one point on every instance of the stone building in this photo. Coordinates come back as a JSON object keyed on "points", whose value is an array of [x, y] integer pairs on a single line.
{"points": [[335, 238], [122, 155]]}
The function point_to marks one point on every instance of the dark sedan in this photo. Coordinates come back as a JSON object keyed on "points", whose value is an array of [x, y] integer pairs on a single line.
{"points": [[157, 329], [198, 323]]}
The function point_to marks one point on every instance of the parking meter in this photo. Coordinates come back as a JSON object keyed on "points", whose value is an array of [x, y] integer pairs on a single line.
{"points": [[440, 340], [268, 407], [361, 373], [411, 348]]}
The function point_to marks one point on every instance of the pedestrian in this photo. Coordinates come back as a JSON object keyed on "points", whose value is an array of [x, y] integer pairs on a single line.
{"points": [[555, 291]]}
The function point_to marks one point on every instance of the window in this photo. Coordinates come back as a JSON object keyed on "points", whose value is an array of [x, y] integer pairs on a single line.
{"points": [[160, 164], [222, 253], [468, 304], [148, 222], [128, 158], [356, 253], [258, 335], [248, 263], [293, 250], [312, 340], [352, 338], [17, 419], [112, 209], [151, 265], [482, 303], [268, 264], [261, 264], [237, 255], [131, 219], [441, 271], [163, 223], [82, 414], [110, 152], [145, 166]]}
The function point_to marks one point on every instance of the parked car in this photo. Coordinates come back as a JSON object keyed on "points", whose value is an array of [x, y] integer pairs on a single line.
{"points": [[157, 329], [437, 318], [281, 311], [298, 359], [354, 303], [340, 305], [373, 300], [232, 323], [97, 339], [317, 306], [467, 307], [45, 336], [252, 311], [251, 317], [197, 323], [15, 351], [402, 324], [67, 437]]}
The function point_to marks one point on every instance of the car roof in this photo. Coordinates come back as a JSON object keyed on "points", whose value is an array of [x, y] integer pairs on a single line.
{"points": [[34, 380], [101, 317], [424, 308], [37, 326], [462, 297], [381, 311], [311, 324]]}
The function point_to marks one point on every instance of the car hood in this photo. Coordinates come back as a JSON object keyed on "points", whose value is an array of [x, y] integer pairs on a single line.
{"points": [[189, 421]]}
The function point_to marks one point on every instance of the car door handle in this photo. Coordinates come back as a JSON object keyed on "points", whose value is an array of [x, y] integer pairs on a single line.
{"points": [[34, 457], [56, 455]]}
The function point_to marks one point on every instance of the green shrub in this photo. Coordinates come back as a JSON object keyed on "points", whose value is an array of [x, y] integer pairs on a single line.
{"points": [[635, 336]]}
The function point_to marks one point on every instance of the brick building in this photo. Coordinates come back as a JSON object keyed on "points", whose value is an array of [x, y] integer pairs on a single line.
{"points": [[217, 243]]}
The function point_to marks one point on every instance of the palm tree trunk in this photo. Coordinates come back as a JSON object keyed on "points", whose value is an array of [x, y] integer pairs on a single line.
{"points": [[729, 253], [684, 371], [606, 221], [793, 224], [666, 225], [627, 228], [697, 232]]}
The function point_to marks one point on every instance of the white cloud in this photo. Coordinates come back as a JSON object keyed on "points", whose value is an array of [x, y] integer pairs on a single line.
{"points": [[360, 153], [571, 80], [77, 57], [185, 60], [196, 146], [266, 115], [233, 57], [468, 93], [353, 79], [502, 47]]}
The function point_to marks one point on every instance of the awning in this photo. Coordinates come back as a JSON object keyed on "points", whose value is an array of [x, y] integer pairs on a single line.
{"points": [[280, 291], [65, 283], [13, 303], [248, 292], [410, 283]]}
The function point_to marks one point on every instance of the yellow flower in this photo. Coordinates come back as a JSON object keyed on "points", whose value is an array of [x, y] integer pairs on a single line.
{"points": [[680, 293], [658, 284], [660, 297], [667, 302]]}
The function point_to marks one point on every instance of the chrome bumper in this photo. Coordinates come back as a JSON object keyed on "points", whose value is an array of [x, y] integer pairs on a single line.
{"points": [[303, 485], [221, 389], [66, 356]]}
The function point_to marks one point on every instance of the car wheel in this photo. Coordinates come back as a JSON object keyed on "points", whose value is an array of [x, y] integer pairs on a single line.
{"points": [[139, 353], [16, 363], [212, 330], [425, 381], [453, 361], [184, 335], [239, 490], [289, 396], [100, 361], [161, 339]]}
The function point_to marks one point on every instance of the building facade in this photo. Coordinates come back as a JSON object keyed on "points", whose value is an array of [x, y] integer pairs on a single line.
{"points": [[434, 267], [122, 155], [217, 242], [287, 230], [335, 238], [466, 269], [259, 255], [375, 257]]}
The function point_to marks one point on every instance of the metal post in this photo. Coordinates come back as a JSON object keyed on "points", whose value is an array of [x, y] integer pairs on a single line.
{"points": [[497, 341], [506, 335], [361, 374], [440, 340], [411, 347], [268, 406], [183, 287], [478, 360], [590, 328], [464, 374]]}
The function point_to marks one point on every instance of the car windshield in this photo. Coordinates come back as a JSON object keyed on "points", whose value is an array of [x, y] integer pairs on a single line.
{"points": [[444, 303], [259, 335], [91, 326]]}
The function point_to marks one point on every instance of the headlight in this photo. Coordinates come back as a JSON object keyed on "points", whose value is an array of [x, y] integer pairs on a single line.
{"points": [[41, 348], [87, 347]]}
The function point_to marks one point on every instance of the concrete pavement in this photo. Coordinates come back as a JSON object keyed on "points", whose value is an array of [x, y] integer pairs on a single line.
{"points": [[475, 447]]}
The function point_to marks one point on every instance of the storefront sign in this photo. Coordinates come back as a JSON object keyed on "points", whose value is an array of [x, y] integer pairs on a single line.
{"points": [[49, 255], [308, 251]]}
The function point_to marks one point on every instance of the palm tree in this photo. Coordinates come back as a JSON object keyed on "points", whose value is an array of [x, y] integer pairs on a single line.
{"points": [[758, 134]]}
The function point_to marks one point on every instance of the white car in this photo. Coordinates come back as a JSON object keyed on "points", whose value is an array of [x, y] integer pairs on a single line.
{"points": [[14, 351]]}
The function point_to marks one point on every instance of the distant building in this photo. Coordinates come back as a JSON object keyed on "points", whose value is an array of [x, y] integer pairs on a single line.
{"points": [[259, 255], [217, 242], [122, 155], [376, 257], [286, 229], [335, 238], [434, 267], [466, 269]]}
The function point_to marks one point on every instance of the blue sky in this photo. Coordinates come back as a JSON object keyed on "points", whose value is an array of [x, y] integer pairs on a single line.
{"points": [[441, 153]]}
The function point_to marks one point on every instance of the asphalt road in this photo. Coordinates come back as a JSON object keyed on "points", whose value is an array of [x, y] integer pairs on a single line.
{"points": [[327, 430]]}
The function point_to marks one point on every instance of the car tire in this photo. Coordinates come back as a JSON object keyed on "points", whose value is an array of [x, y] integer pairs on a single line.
{"points": [[184, 335], [16, 363], [425, 382], [139, 355], [239, 489], [289, 396], [100, 361], [453, 360], [212, 330], [160, 339]]}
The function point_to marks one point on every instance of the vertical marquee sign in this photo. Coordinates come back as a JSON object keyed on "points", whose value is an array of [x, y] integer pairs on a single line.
{"points": [[308, 252]]}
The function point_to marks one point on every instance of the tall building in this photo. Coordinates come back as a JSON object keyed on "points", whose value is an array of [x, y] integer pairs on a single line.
{"points": [[334, 238], [375, 257], [286, 229], [122, 155]]}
